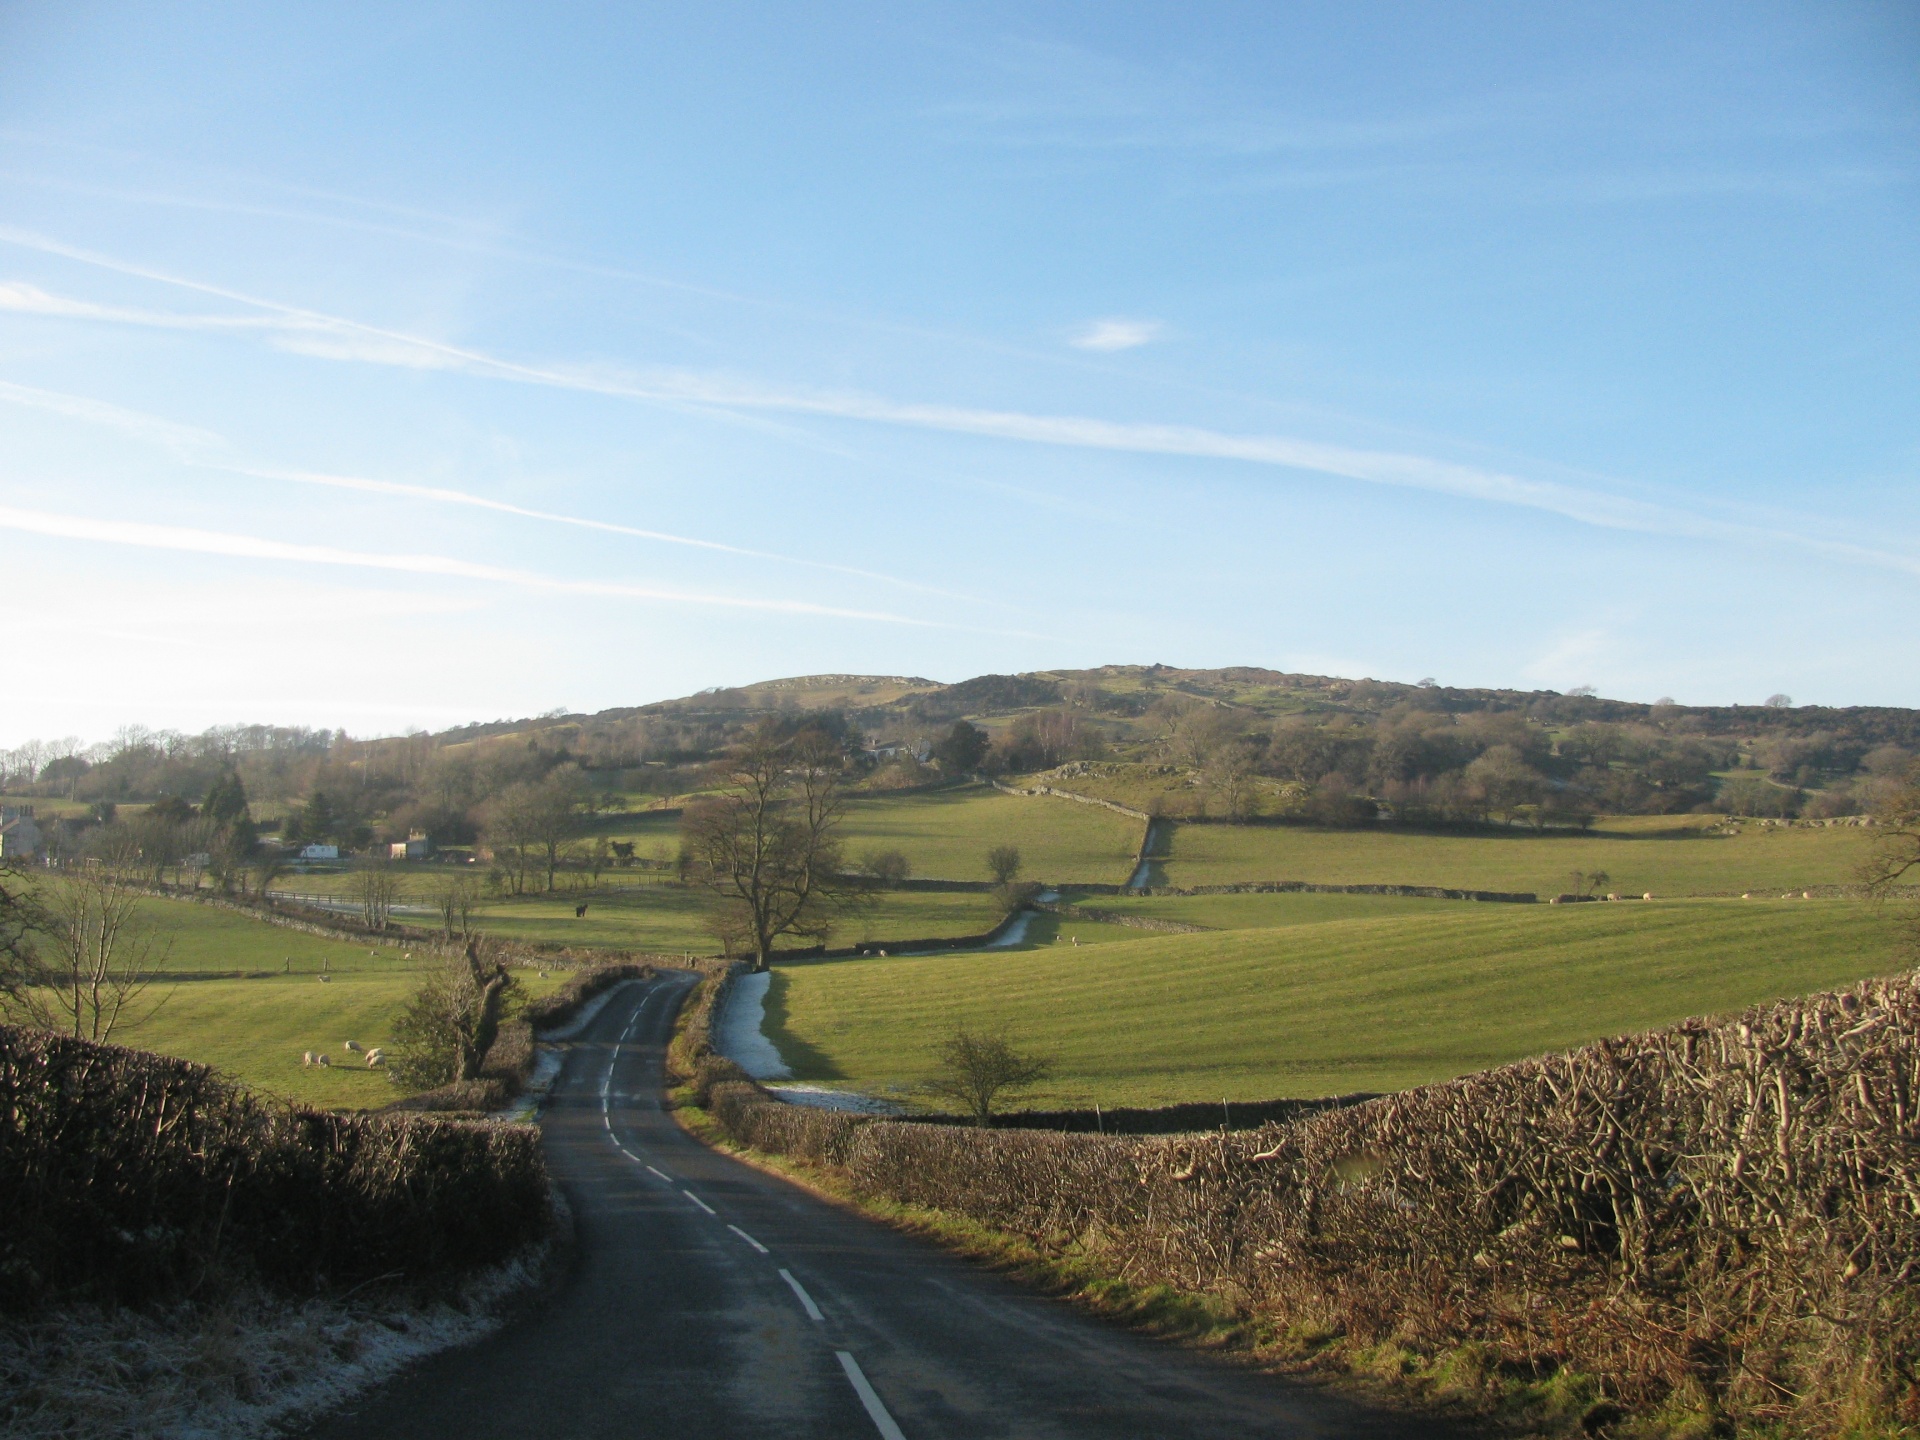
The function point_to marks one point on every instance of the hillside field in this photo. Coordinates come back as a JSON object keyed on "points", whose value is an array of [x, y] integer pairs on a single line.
{"points": [[946, 834], [1368, 1002], [224, 999], [1669, 855]]}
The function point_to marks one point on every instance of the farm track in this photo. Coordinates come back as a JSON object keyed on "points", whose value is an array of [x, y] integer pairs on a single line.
{"points": [[709, 1299]]}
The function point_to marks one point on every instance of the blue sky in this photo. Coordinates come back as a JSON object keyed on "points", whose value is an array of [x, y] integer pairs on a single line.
{"points": [[403, 365]]}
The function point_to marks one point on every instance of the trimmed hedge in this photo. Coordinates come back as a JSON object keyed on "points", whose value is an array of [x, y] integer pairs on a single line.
{"points": [[1721, 1215], [129, 1177]]}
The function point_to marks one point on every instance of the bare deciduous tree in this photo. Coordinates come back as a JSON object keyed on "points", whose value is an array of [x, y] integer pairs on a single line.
{"points": [[1003, 864], [102, 956], [768, 845], [887, 867], [456, 898], [375, 885], [974, 1071]]}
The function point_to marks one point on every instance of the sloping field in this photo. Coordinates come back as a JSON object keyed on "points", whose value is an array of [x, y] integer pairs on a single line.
{"points": [[946, 835], [255, 1029], [1669, 855], [1323, 1008], [671, 919]]}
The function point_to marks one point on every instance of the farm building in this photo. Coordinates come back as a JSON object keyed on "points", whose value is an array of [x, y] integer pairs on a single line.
{"points": [[416, 846], [19, 833]]}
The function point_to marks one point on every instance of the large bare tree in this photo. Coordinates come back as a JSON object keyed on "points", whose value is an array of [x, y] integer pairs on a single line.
{"points": [[101, 956], [767, 846]]}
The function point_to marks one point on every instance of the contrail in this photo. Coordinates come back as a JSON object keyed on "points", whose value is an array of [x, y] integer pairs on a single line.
{"points": [[315, 332], [252, 547]]}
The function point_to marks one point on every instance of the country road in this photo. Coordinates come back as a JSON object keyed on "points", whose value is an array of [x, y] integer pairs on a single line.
{"points": [[710, 1300]]}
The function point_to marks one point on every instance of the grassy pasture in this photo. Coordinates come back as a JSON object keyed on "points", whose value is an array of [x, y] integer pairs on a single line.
{"points": [[1669, 855], [1256, 912], [946, 834], [1363, 1003], [672, 918], [255, 1028]]}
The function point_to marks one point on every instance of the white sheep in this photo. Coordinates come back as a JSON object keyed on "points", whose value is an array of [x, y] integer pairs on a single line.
{"points": [[1647, 896], [1806, 894], [376, 1057], [322, 1060], [326, 979], [1613, 897], [353, 1045], [307, 1059]]}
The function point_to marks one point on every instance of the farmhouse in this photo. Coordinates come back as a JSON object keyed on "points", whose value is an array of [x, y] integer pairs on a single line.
{"points": [[19, 833], [417, 846]]}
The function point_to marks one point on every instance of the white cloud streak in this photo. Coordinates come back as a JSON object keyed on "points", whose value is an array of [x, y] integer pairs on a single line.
{"points": [[251, 547], [1110, 335], [214, 452], [351, 339]]}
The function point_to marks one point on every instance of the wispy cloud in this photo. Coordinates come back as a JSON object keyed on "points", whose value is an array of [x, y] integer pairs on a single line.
{"points": [[254, 547], [186, 441], [1116, 335], [1376, 467], [214, 452]]}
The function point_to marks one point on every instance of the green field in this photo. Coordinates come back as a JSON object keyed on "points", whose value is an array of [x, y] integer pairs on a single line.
{"points": [[1326, 1006], [1669, 855], [946, 834], [672, 918], [255, 1029]]}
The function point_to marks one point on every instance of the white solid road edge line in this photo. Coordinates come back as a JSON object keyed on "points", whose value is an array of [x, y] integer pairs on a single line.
{"points": [[662, 1174], [748, 1238], [698, 1201], [882, 1421], [806, 1300]]}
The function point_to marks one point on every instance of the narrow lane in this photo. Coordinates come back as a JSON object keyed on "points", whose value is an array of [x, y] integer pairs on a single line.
{"points": [[711, 1300]]}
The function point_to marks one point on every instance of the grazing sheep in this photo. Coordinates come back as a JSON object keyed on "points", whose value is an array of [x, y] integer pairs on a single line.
{"points": [[307, 1059], [1647, 896], [354, 1045], [1806, 894], [326, 979], [1555, 900], [1613, 897], [1747, 896], [376, 1057], [322, 1060]]}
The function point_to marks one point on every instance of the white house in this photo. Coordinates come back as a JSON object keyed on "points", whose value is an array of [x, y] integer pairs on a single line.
{"points": [[19, 833]]}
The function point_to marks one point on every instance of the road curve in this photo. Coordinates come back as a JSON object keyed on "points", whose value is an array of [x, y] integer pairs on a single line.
{"points": [[710, 1300]]}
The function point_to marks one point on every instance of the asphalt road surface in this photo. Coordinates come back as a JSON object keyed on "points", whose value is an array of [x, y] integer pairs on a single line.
{"points": [[710, 1300]]}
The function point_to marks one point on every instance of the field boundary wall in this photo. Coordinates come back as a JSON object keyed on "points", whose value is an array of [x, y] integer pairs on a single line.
{"points": [[1306, 887]]}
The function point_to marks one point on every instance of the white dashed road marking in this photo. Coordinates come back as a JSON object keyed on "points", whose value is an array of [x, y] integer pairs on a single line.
{"points": [[806, 1300], [748, 1238], [698, 1201], [662, 1174], [882, 1421]]}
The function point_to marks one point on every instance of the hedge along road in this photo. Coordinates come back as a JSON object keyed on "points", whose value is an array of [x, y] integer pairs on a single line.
{"points": [[710, 1300]]}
